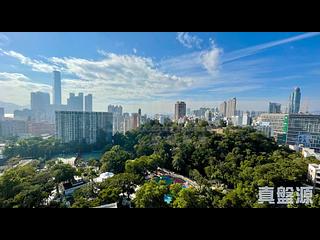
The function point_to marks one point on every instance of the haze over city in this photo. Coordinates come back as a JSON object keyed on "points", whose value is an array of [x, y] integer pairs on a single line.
{"points": [[153, 70]]}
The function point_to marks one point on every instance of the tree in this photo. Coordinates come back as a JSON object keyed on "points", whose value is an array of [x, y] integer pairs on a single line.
{"points": [[114, 160], [151, 195], [144, 164], [25, 187], [62, 173], [86, 197], [315, 201], [124, 183], [189, 198]]}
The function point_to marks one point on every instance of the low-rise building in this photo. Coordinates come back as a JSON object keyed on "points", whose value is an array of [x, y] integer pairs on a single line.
{"points": [[103, 176], [308, 152], [69, 188], [314, 175]]}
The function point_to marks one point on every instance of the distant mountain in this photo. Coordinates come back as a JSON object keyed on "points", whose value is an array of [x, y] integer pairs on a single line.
{"points": [[10, 107]]}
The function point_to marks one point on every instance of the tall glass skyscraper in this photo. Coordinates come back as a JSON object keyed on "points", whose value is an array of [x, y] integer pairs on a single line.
{"points": [[56, 88], [294, 101]]}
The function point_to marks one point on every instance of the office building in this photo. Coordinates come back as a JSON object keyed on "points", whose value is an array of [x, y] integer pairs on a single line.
{"points": [[56, 88], [274, 107], [277, 123], [1, 114], [88, 103], [86, 127], [294, 101], [180, 110], [75, 103], [223, 109], [304, 130]]}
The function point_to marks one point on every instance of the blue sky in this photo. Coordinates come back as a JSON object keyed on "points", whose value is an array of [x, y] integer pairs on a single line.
{"points": [[153, 70]]}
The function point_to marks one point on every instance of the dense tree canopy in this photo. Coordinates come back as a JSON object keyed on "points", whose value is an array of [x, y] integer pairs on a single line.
{"points": [[229, 168], [114, 160]]}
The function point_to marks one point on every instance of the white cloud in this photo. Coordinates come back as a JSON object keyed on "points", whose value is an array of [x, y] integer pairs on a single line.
{"points": [[4, 40], [211, 59], [16, 88], [36, 65], [118, 78], [134, 50], [188, 40]]}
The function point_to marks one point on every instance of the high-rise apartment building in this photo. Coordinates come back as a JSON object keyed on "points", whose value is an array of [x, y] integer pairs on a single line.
{"points": [[13, 128], [274, 107], [1, 114], [115, 109], [135, 120], [118, 118], [223, 109], [246, 119], [40, 101], [75, 103], [86, 127], [126, 123], [40, 107], [88, 103], [231, 108], [56, 88], [180, 110], [208, 116], [294, 101]]}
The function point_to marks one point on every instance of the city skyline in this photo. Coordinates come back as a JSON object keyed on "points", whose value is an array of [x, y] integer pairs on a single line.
{"points": [[154, 70]]}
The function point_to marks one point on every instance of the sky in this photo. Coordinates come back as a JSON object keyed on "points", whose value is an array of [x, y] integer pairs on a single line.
{"points": [[153, 70]]}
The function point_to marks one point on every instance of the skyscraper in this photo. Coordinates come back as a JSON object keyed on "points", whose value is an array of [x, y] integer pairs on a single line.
{"points": [[223, 109], [231, 108], [88, 103], [294, 100], [180, 110], [56, 88], [274, 107], [82, 126]]}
